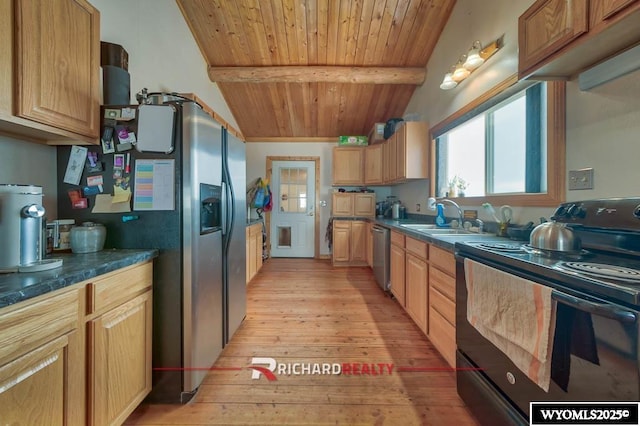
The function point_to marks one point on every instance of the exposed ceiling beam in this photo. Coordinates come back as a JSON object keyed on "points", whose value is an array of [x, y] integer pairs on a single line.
{"points": [[316, 74], [328, 139]]}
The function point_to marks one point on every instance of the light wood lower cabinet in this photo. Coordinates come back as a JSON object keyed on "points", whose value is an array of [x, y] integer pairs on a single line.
{"points": [[349, 243], [80, 355], [42, 362], [442, 303], [416, 282], [396, 267], [370, 244], [254, 250], [120, 373]]}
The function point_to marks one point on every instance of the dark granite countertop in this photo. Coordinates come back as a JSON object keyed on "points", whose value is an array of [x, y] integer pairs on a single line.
{"points": [[17, 287]]}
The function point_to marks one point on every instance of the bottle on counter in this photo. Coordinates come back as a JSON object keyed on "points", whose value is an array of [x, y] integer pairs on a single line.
{"points": [[440, 219]]}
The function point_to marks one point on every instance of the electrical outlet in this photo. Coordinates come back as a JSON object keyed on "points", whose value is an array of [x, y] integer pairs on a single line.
{"points": [[417, 207], [581, 179]]}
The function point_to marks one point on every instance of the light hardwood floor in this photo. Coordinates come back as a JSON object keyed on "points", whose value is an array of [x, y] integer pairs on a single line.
{"points": [[305, 311]]}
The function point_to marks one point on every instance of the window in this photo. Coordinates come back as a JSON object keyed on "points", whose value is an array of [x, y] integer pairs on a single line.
{"points": [[508, 148]]}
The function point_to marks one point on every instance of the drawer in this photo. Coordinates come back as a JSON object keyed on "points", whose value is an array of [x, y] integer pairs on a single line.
{"points": [[443, 259], [118, 287], [397, 238], [445, 306], [342, 224], [443, 336], [443, 282], [417, 247], [23, 329]]}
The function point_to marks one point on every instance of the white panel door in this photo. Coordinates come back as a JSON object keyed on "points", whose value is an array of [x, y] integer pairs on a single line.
{"points": [[292, 217]]}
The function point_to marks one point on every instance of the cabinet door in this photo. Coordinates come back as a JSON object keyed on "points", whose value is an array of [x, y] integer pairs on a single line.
{"points": [[396, 273], [252, 256], [373, 164], [58, 64], [413, 150], [547, 26], [611, 7], [348, 166], [364, 205], [248, 254], [385, 162], [258, 252], [120, 362], [416, 292], [33, 388], [341, 239], [401, 152], [392, 159], [358, 241], [341, 204]]}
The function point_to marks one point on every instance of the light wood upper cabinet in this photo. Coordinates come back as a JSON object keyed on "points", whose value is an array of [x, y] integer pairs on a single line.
{"points": [[357, 204], [373, 164], [561, 38], [412, 151], [342, 204], [364, 204], [57, 52], [49, 71], [391, 161], [549, 25], [348, 165], [121, 360]]}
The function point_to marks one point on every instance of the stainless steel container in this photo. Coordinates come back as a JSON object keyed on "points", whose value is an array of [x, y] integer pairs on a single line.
{"points": [[555, 236], [395, 210], [21, 215]]}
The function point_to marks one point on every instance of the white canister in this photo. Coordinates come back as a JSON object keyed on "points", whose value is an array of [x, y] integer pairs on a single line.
{"points": [[88, 238]]}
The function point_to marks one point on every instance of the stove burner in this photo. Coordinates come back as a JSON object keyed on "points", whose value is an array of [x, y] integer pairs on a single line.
{"points": [[600, 270], [552, 254], [501, 247]]}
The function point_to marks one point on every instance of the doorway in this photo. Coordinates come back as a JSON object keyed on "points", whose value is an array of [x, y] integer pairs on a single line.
{"points": [[293, 224]]}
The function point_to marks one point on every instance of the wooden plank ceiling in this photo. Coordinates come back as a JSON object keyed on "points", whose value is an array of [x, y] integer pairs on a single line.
{"points": [[315, 69]]}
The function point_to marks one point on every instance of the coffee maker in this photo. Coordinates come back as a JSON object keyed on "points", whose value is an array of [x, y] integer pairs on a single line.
{"points": [[21, 230]]}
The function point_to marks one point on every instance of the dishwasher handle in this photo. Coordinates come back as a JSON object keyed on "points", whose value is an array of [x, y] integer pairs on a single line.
{"points": [[601, 309], [378, 230]]}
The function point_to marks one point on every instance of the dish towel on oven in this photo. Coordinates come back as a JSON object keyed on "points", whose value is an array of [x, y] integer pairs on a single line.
{"points": [[516, 315]]}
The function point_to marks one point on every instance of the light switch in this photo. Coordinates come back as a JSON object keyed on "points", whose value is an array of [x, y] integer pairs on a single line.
{"points": [[581, 179], [323, 203]]}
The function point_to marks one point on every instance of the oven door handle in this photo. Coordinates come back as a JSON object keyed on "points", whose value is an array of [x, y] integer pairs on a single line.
{"points": [[601, 309]]}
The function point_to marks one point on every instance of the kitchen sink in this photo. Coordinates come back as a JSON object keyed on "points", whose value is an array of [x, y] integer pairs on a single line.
{"points": [[447, 232], [418, 226]]}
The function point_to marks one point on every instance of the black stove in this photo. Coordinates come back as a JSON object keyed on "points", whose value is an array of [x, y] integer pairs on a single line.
{"points": [[596, 345]]}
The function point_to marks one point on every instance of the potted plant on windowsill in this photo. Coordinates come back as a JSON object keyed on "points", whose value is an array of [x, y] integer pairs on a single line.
{"points": [[457, 186]]}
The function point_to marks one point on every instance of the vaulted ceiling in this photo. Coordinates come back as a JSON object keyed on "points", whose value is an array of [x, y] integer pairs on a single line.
{"points": [[315, 69]]}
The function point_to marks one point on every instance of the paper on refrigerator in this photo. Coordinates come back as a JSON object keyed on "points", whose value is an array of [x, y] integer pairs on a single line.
{"points": [[154, 185]]}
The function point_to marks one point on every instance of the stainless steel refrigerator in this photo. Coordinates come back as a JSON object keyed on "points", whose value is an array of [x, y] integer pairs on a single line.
{"points": [[199, 275]]}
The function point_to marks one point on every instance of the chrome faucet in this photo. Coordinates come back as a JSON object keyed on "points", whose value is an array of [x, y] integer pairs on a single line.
{"points": [[480, 226], [432, 202]]}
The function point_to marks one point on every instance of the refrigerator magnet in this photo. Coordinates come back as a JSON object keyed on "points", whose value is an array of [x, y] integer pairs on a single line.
{"points": [[118, 162]]}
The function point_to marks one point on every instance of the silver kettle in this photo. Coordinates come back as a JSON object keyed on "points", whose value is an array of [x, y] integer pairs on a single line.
{"points": [[555, 236]]}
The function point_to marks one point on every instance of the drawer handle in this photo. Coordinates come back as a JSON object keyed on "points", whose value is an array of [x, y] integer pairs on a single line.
{"points": [[26, 374]]}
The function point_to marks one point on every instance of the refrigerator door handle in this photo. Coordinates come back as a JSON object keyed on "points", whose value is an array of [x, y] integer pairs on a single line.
{"points": [[224, 208]]}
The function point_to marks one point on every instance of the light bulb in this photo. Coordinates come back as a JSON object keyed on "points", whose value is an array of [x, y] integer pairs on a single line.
{"points": [[460, 73], [448, 82], [474, 60]]}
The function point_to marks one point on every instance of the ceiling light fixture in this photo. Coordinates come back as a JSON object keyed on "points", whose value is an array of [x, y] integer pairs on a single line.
{"points": [[448, 82], [469, 62]]}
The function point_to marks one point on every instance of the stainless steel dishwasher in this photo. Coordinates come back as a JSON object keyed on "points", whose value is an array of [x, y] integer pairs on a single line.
{"points": [[381, 256]]}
